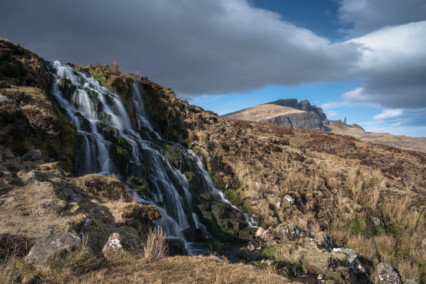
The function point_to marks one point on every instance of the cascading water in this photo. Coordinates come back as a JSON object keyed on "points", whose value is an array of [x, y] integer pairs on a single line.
{"points": [[103, 123]]}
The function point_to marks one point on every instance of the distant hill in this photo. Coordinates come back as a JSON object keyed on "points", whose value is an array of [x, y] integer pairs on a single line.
{"points": [[291, 113], [285, 112], [400, 141]]}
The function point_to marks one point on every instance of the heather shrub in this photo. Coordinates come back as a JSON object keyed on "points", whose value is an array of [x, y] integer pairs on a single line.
{"points": [[16, 245]]}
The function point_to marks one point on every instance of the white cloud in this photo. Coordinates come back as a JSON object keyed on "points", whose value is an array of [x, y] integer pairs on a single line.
{"points": [[355, 95], [331, 113], [389, 113]]}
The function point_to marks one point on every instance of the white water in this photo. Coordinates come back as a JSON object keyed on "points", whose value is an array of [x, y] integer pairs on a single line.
{"points": [[93, 108]]}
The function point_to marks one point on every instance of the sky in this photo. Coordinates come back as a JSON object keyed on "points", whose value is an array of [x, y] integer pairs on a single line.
{"points": [[364, 60]]}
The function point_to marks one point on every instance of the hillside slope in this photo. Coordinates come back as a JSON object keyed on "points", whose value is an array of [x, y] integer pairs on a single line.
{"points": [[329, 204], [400, 141]]}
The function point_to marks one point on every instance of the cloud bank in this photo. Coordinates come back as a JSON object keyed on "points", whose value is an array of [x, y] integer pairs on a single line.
{"points": [[195, 46], [223, 46]]}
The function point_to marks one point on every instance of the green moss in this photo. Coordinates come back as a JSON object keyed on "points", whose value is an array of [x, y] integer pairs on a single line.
{"points": [[189, 175], [217, 245], [358, 226], [232, 195], [206, 196], [380, 230], [68, 137], [188, 143], [137, 184], [174, 156], [336, 276]]}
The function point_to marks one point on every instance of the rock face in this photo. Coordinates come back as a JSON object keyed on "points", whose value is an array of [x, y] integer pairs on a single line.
{"points": [[305, 120], [294, 114], [46, 248], [312, 118], [303, 105]]}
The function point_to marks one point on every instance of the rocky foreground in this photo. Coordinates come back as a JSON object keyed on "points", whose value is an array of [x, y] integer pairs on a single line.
{"points": [[330, 208]]}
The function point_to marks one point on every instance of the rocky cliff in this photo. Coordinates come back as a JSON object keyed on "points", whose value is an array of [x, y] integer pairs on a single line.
{"points": [[294, 114]]}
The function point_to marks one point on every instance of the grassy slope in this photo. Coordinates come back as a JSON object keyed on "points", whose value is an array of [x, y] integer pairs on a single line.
{"points": [[339, 183], [262, 112]]}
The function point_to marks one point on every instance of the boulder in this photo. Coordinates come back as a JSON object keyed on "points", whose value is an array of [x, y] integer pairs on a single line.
{"points": [[48, 247], [387, 275], [259, 232], [114, 242], [353, 261], [33, 155]]}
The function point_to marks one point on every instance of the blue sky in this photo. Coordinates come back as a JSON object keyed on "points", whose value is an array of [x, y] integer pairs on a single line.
{"points": [[364, 59]]}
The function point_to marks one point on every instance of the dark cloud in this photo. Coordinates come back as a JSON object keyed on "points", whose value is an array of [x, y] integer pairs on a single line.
{"points": [[222, 46], [193, 46], [364, 16]]}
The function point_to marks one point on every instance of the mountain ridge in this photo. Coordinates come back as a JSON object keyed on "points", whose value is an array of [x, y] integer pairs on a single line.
{"points": [[313, 118]]}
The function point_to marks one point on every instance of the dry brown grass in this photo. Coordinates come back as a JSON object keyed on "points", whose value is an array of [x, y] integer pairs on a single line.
{"points": [[180, 269], [155, 247], [77, 262]]}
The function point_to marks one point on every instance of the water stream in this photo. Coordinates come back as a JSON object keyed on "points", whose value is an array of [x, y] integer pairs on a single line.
{"points": [[103, 123]]}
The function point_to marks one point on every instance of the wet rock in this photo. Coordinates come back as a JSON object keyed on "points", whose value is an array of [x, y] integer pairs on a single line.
{"points": [[73, 197], [176, 247], [387, 275], [45, 248], [33, 155], [328, 241]]}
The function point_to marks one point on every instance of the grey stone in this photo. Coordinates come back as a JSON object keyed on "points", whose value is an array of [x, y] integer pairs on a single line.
{"points": [[45, 248], [289, 199], [114, 242], [387, 275], [33, 154], [251, 247], [353, 261], [376, 221]]}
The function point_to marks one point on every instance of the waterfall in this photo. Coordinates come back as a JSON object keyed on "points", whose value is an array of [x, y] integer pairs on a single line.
{"points": [[105, 129]]}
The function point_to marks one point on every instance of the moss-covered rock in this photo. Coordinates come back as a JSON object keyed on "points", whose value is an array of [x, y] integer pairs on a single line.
{"points": [[137, 184]]}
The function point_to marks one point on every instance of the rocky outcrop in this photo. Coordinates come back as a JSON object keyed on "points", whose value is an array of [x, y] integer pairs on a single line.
{"points": [[288, 112], [312, 118], [305, 120], [304, 105]]}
